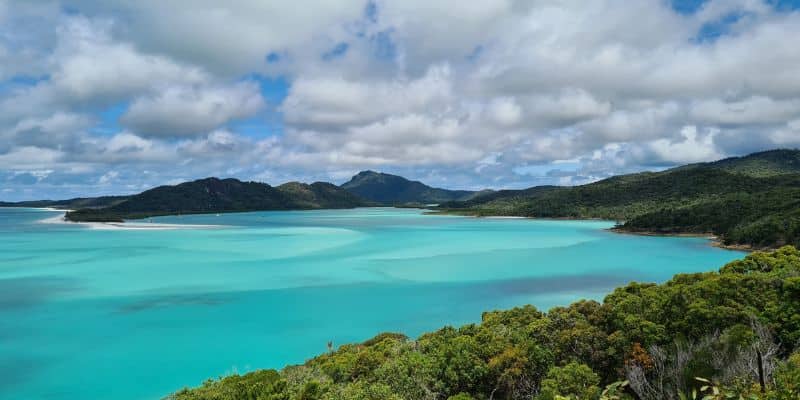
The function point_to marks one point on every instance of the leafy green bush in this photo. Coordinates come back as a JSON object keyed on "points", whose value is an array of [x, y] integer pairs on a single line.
{"points": [[572, 381]]}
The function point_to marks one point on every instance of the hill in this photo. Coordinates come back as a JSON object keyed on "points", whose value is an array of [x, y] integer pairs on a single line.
{"points": [[752, 200], [319, 195], [738, 329], [396, 190], [70, 204], [749, 201], [213, 195], [765, 163]]}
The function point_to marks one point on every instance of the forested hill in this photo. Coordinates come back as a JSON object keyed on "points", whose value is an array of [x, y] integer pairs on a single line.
{"points": [[395, 190], [212, 195], [70, 204], [765, 163], [644, 339], [752, 200]]}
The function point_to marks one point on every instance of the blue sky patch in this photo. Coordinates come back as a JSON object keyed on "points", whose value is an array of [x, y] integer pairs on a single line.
{"points": [[713, 30], [336, 52], [19, 81], [108, 119], [383, 45], [475, 54], [273, 89], [268, 122], [371, 12], [272, 58], [689, 7]]}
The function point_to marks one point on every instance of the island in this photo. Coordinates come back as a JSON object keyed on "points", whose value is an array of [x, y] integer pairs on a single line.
{"points": [[213, 195]]}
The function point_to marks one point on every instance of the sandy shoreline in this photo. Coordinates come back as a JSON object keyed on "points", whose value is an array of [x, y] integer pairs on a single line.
{"points": [[59, 219], [476, 215], [713, 239]]}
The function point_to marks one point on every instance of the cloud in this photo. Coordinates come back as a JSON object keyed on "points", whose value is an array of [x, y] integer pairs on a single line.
{"points": [[54, 131], [87, 68], [243, 33], [690, 147], [216, 143], [182, 111], [504, 111], [90, 65], [565, 107], [750, 111], [108, 177], [29, 157], [461, 94], [788, 135], [23, 48], [333, 103]]}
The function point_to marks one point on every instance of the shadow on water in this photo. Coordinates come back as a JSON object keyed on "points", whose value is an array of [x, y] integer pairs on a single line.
{"points": [[15, 371], [30, 291], [557, 284], [150, 303]]}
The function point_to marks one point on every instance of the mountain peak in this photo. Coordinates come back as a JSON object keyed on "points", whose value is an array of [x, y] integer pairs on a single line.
{"points": [[393, 189], [367, 174]]}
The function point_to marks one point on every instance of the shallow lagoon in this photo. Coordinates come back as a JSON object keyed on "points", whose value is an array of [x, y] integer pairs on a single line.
{"points": [[135, 314]]}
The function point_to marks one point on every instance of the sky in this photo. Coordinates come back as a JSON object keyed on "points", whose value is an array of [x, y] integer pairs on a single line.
{"points": [[114, 97]]}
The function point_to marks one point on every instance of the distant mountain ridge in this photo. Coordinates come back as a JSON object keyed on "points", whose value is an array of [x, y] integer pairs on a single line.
{"points": [[214, 195], [752, 200], [394, 190], [69, 204]]}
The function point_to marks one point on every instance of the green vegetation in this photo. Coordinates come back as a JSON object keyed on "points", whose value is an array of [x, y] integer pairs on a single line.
{"points": [[760, 219], [766, 163], [395, 190], [753, 200], [738, 330], [212, 195], [71, 204]]}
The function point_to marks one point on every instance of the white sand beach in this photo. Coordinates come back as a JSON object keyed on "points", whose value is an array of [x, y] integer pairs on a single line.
{"points": [[59, 219]]}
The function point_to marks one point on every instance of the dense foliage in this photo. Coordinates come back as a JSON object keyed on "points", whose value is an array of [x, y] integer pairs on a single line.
{"points": [[753, 200], [738, 328], [761, 219], [766, 163], [393, 190], [212, 195], [70, 204]]}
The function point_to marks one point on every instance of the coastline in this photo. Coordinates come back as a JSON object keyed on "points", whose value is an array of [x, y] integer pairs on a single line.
{"points": [[713, 240], [60, 219], [478, 215]]}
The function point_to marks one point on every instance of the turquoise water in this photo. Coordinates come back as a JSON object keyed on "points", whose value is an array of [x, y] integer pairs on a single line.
{"points": [[136, 314]]}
